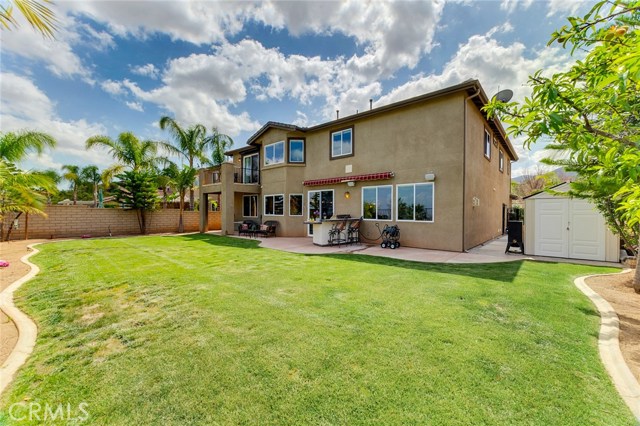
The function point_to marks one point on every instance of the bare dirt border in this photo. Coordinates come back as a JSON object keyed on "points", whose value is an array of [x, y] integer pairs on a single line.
{"points": [[609, 347]]}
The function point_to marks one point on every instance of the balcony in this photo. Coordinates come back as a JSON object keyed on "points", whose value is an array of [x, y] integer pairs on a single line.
{"points": [[226, 172], [246, 175]]}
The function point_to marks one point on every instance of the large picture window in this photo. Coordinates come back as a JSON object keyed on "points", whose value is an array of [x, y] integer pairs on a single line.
{"points": [[295, 204], [296, 150], [415, 202], [342, 143], [376, 202], [250, 206], [274, 153], [274, 205]]}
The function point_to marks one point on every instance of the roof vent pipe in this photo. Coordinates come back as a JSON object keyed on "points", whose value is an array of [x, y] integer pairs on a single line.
{"points": [[337, 114], [370, 104]]}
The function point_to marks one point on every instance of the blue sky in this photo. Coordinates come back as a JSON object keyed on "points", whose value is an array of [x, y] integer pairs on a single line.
{"points": [[120, 66]]}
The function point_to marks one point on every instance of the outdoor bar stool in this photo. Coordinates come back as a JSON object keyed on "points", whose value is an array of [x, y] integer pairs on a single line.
{"points": [[353, 232], [336, 233]]}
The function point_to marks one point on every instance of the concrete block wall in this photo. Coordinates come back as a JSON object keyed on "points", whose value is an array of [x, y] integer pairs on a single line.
{"points": [[75, 221]]}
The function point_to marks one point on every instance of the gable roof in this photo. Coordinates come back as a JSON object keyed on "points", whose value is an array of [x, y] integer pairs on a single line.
{"points": [[473, 89]]}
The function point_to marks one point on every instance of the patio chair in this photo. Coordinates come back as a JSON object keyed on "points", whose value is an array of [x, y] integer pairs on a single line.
{"points": [[248, 228], [337, 233], [267, 229], [353, 231]]}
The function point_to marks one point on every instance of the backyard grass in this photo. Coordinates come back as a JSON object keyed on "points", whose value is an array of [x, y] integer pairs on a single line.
{"points": [[212, 330]]}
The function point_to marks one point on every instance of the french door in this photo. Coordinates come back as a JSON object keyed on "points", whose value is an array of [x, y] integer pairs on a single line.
{"points": [[251, 169], [320, 206]]}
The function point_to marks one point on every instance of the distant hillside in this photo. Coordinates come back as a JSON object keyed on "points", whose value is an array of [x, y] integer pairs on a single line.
{"points": [[560, 172]]}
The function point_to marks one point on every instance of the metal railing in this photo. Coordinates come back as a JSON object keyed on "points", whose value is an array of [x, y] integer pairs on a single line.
{"points": [[246, 175]]}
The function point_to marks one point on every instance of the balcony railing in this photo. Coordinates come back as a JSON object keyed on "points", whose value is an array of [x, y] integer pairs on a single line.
{"points": [[240, 175], [246, 175]]}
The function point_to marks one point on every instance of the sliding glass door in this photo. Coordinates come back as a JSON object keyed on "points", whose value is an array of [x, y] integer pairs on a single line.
{"points": [[320, 206]]}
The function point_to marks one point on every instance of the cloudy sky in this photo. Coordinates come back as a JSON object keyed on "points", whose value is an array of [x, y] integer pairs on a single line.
{"points": [[120, 65]]}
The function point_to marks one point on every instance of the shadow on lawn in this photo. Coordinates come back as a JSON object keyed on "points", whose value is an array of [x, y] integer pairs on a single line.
{"points": [[219, 240], [504, 272]]}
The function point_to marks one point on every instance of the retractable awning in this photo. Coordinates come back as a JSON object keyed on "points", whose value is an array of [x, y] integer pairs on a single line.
{"points": [[343, 179]]}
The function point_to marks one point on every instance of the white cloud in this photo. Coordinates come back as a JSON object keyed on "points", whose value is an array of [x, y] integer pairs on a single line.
{"points": [[112, 87], [57, 54], [512, 5], [565, 7], [24, 106], [148, 70], [136, 106]]}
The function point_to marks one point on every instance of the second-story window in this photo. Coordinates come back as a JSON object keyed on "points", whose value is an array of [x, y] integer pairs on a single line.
{"points": [[342, 143], [501, 161], [296, 150], [274, 153], [487, 144]]}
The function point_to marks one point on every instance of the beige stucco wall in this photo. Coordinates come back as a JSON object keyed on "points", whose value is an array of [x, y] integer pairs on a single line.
{"points": [[484, 181]]}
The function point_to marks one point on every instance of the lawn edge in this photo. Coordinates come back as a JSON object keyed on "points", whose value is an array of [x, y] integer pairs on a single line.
{"points": [[27, 328], [609, 346]]}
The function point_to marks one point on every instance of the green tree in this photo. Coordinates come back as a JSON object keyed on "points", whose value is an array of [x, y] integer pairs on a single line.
{"points": [[184, 180], [15, 146], [73, 176], [91, 175], [165, 179], [55, 179], [37, 14], [129, 152], [220, 143], [190, 142], [591, 112], [137, 190]]}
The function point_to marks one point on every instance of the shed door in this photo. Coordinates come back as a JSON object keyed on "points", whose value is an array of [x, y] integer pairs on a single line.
{"points": [[586, 231], [552, 218], [570, 228]]}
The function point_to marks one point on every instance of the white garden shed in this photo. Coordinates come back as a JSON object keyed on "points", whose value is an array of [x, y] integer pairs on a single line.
{"points": [[561, 226]]}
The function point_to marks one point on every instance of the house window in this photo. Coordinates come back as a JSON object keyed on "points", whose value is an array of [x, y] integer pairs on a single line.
{"points": [[376, 202], [415, 202], [274, 205], [509, 167], [296, 150], [501, 161], [274, 153], [250, 206], [487, 144], [342, 143], [295, 204]]}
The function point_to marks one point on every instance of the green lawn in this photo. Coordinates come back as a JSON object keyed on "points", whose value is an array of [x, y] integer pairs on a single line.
{"points": [[213, 330]]}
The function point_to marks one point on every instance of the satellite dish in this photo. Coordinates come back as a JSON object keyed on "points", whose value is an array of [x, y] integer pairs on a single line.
{"points": [[504, 95]]}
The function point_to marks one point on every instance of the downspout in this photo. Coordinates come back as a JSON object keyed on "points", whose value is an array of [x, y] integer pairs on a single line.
{"points": [[464, 167]]}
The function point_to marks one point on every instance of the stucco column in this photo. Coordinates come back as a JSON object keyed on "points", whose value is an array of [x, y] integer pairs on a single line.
{"points": [[227, 208], [204, 212]]}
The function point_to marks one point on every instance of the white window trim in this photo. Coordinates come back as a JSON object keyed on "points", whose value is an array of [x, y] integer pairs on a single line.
{"points": [[284, 154], [486, 143], [433, 202], [301, 206], [243, 198], [289, 151], [501, 161], [350, 129], [264, 205], [362, 203]]}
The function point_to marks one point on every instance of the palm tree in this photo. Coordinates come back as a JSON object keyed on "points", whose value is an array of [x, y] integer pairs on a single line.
{"points": [[165, 179], [73, 175], [15, 146], [190, 143], [36, 13], [220, 144], [92, 176], [21, 192], [129, 152], [185, 179], [55, 178]]}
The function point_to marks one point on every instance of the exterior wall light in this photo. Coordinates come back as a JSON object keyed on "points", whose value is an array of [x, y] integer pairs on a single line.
{"points": [[347, 195], [430, 177], [351, 183]]}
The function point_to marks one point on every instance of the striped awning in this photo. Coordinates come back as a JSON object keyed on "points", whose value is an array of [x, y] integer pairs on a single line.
{"points": [[343, 179]]}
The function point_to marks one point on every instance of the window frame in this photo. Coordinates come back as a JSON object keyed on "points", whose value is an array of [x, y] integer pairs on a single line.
{"points": [[243, 204], [304, 150], [362, 203], [501, 161], [352, 153], [487, 145], [433, 202], [508, 167], [301, 205], [284, 153], [264, 211]]}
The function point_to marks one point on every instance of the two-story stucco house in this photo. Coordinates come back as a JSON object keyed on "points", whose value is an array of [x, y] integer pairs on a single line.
{"points": [[433, 164]]}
